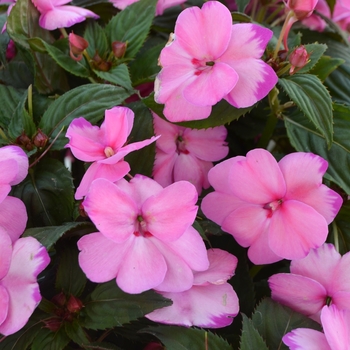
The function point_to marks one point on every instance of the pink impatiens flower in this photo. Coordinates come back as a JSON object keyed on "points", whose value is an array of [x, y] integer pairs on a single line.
{"points": [[105, 146], [335, 336], [210, 303], [56, 14], [276, 209], [187, 154], [307, 288], [208, 59], [21, 262], [146, 239]]}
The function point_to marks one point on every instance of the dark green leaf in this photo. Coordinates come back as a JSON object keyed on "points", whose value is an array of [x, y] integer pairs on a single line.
{"points": [[325, 66], [103, 346], [315, 51], [88, 101], [305, 138], [97, 40], [176, 338], [110, 306], [49, 340], [250, 338], [49, 235], [342, 222], [331, 4], [273, 321], [241, 17], [313, 99], [76, 332], [222, 113], [47, 193], [9, 100], [118, 75], [132, 25], [241, 5]]}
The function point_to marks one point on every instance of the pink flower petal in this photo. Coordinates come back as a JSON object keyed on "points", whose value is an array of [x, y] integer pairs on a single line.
{"points": [[169, 132], [341, 280], [307, 186], [163, 168], [5, 254], [340, 299], [9, 170], [13, 217], [306, 339], [295, 228], [19, 156], [4, 303], [169, 213], [300, 293], [112, 211]]}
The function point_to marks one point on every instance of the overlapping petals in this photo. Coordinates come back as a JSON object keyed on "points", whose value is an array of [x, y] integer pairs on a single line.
{"points": [[146, 239], [105, 146], [211, 302], [272, 207], [201, 64], [187, 154], [56, 14]]}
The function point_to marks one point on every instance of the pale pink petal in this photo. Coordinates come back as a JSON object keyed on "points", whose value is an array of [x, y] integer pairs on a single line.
{"points": [[85, 140], [222, 266], [44, 5], [13, 217], [300, 293], [340, 299], [9, 171], [163, 168], [29, 258], [205, 167], [306, 339], [341, 278], [100, 258], [5, 254], [164, 4], [122, 4], [211, 84], [329, 258], [207, 144], [295, 228], [169, 134], [306, 186], [4, 303], [169, 213], [19, 156], [4, 190], [143, 267], [209, 306], [97, 170], [112, 211], [257, 178]]}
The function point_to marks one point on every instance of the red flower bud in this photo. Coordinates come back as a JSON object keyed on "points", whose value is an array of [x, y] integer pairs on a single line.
{"points": [[100, 64], [119, 48], [154, 346], [77, 45], [59, 299], [24, 141], [10, 50], [53, 324], [301, 8], [40, 139], [298, 59], [74, 304]]}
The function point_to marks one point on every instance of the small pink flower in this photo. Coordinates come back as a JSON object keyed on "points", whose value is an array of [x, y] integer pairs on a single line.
{"points": [[56, 14], [210, 303], [273, 208], [321, 277], [187, 154], [301, 8], [341, 14], [335, 336], [105, 146], [146, 239], [21, 262], [315, 22], [208, 59]]}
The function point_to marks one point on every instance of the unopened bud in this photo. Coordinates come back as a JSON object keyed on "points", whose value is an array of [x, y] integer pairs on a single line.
{"points": [[53, 324], [74, 304], [119, 48], [77, 46], [298, 59], [40, 139], [24, 141], [10, 50], [100, 64], [59, 299], [301, 8]]}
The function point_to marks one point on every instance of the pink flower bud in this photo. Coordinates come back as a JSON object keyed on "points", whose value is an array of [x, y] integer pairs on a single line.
{"points": [[77, 45], [74, 304], [119, 48], [40, 139], [53, 324], [10, 51], [298, 59], [302, 8]]}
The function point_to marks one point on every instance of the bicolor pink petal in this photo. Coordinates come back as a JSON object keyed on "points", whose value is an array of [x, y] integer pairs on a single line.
{"points": [[295, 228], [300, 293], [13, 217], [169, 213], [5, 253], [16, 154], [306, 339], [112, 211]]}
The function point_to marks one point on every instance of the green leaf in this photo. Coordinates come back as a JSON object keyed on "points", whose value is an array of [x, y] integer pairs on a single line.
{"points": [[110, 306], [103, 346], [313, 99], [250, 338], [273, 321], [49, 235], [342, 223], [325, 66], [47, 193], [241, 17], [9, 100], [141, 161], [49, 340], [118, 75], [97, 39], [241, 5], [305, 138], [176, 338], [222, 113], [315, 51], [76, 332], [88, 101], [132, 25]]}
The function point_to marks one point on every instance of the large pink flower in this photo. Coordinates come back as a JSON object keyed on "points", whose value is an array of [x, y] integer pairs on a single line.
{"points": [[279, 210], [210, 303], [208, 59], [105, 146], [315, 22], [55, 14], [187, 154], [21, 262], [146, 239], [341, 14], [335, 336], [321, 277]]}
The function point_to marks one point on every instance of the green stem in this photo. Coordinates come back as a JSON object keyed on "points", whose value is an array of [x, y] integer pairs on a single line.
{"points": [[283, 30], [30, 100], [63, 32], [3, 135], [336, 236]]}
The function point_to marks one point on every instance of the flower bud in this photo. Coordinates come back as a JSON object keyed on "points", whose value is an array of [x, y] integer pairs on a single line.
{"points": [[301, 8], [59, 299], [119, 48], [53, 324], [74, 304], [10, 51], [40, 139], [100, 64], [298, 59], [77, 45], [24, 141]]}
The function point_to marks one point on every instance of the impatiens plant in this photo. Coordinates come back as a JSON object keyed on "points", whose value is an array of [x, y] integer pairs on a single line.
{"points": [[174, 174]]}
